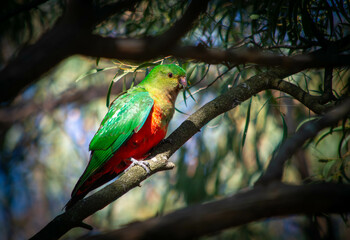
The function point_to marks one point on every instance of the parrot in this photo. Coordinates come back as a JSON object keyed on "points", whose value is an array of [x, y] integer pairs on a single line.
{"points": [[136, 121]]}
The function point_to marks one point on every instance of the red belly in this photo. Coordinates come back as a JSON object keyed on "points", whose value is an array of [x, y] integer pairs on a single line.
{"points": [[140, 143], [137, 147]]}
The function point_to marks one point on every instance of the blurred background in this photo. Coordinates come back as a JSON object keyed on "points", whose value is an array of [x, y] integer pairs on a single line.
{"points": [[46, 131]]}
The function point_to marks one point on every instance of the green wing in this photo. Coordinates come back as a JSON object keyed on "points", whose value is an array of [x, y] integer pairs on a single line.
{"points": [[126, 115]]}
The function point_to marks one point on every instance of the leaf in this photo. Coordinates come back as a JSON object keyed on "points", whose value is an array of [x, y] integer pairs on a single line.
{"points": [[124, 85], [263, 106], [254, 17], [306, 121], [181, 63], [189, 92], [327, 167], [133, 80], [246, 123], [108, 94], [93, 71], [344, 131], [331, 130], [190, 71], [285, 128], [184, 97], [176, 109], [97, 61], [117, 78]]}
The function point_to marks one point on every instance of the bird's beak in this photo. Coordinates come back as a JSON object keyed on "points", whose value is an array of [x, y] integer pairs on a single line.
{"points": [[183, 82]]}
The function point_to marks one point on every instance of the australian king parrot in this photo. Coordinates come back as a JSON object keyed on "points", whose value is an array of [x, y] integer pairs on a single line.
{"points": [[136, 121]]}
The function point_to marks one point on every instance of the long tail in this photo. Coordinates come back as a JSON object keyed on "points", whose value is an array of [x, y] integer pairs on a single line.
{"points": [[98, 179]]}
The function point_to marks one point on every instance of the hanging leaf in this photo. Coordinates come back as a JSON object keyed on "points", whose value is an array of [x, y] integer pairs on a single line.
{"points": [[176, 109], [118, 77], [93, 71], [331, 130], [263, 106], [306, 121], [124, 85], [344, 133], [133, 80], [184, 97], [189, 92], [97, 61], [190, 71], [109, 94], [328, 167], [285, 128], [246, 123]]}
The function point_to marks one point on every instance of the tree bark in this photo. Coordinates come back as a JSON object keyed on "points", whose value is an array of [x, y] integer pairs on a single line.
{"points": [[276, 200]]}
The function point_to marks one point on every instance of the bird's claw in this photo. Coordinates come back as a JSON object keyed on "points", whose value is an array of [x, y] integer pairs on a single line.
{"points": [[144, 164]]}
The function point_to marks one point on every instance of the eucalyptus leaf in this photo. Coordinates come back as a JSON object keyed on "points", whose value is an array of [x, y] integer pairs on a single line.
{"points": [[93, 71], [247, 121], [109, 94], [328, 167], [285, 129]]}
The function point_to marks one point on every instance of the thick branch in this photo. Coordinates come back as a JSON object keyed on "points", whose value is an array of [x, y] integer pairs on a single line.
{"points": [[309, 130], [247, 206], [143, 49], [88, 206], [72, 35]]}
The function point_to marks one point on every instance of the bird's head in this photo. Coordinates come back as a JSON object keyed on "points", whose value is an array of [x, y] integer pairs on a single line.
{"points": [[168, 76], [165, 79]]}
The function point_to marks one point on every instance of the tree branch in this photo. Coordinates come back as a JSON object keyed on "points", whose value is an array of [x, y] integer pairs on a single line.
{"points": [[88, 206], [146, 48], [328, 85], [309, 130], [244, 207], [72, 35], [225, 102]]}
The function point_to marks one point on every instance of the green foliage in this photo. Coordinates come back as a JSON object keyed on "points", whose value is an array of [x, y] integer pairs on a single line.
{"points": [[246, 123], [23, 21]]}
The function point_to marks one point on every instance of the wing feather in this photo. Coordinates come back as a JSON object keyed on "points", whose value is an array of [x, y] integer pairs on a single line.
{"points": [[126, 115]]}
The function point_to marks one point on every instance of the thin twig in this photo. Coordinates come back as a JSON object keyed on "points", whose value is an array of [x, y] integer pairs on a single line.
{"points": [[275, 168]]}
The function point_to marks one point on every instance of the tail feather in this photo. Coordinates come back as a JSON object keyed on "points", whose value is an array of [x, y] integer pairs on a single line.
{"points": [[93, 182]]}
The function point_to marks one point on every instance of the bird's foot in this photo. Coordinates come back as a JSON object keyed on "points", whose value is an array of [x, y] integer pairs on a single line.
{"points": [[144, 164]]}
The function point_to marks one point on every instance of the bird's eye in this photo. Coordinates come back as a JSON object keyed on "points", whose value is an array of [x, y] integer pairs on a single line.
{"points": [[170, 75]]}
